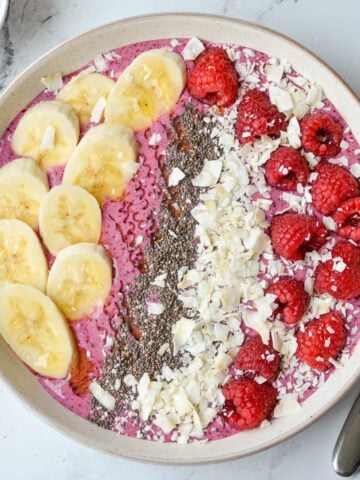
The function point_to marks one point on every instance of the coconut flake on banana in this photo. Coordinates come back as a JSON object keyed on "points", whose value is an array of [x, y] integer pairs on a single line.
{"points": [[80, 279], [85, 92], [149, 87], [103, 162], [23, 185], [48, 133], [36, 331], [69, 215], [22, 259]]}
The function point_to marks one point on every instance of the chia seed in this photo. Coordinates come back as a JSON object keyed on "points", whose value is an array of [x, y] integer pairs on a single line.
{"points": [[171, 248]]}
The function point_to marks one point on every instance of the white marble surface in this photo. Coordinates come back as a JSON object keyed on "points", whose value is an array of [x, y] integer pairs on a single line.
{"points": [[28, 448]]}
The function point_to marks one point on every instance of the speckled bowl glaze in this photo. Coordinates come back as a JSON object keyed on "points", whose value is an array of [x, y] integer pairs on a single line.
{"points": [[70, 56]]}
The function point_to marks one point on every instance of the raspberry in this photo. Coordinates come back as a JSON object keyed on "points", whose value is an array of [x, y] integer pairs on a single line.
{"points": [[321, 135], [348, 252], [293, 234], [256, 356], [257, 116], [247, 403], [340, 276], [214, 79], [286, 168], [333, 185], [347, 217], [323, 339], [291, 298]]}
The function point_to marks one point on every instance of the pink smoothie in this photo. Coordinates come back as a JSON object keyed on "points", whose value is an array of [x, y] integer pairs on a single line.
{"points": [[127, 228]]}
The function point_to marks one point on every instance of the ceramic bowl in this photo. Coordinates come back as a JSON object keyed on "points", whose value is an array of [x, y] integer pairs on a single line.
{"points": [[70, 56]]}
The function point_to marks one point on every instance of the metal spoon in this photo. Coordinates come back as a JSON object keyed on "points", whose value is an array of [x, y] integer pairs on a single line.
{"points": [[346, 455]]}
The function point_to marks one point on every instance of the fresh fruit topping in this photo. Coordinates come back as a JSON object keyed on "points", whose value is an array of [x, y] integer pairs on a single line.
{"points": [[248, 403], [23, 185], [333, 185], [149, 87], [257, 116], [294, 234], [347, 216], [291, 298], [48, 133], [349, 252], [22, 259], [80, 373], [103, 162], [262, 359], [321, 135], [83, 92], [340, 276], [68, 215], [80, 279], [322, 341], [35, 330], [286, 168], [214, 79]]}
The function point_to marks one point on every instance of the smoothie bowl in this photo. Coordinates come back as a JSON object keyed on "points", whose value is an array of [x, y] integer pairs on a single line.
{"points": [[180, 225]]}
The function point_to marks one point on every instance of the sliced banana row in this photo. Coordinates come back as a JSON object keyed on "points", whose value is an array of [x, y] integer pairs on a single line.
{"points": [[149, 87], [80, 279], [68, 215], [48, 133], [83, 92], [22, 259], [99, 166], [103, 162], [36, 331], [23, 185]]}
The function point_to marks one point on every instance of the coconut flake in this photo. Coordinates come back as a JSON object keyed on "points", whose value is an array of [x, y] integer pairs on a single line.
{"points": [[182, 330], [159, 281], [48, 139], [281, 98], [175, 177], [193, 49], [164, 422], [53, 82], [130, 380], [293, 133], [99, 63], [275, 73], [355, 170], [155, 308], [154, 139], [129, 169], [329, 223], [288, 404], [98, 110], [209, 174], [174, 42], [102, 396]]}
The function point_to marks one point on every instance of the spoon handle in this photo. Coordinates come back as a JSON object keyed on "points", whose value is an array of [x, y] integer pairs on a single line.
{"points": [[346, 455]]}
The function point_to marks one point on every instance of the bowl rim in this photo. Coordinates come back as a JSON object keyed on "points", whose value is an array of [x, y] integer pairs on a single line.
{"points": [[131, 455]]}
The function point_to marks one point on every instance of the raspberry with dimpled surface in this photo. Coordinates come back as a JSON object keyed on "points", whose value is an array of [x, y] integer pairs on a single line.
{"points": [[248, 403]]}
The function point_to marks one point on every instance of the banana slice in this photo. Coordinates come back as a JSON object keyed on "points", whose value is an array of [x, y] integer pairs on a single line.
{"points": [[84, 91], [22, 259], [103, 162], [68, 215], [35, 330], [80, 279], [150, 86], [48, 133], [22, 185]]}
